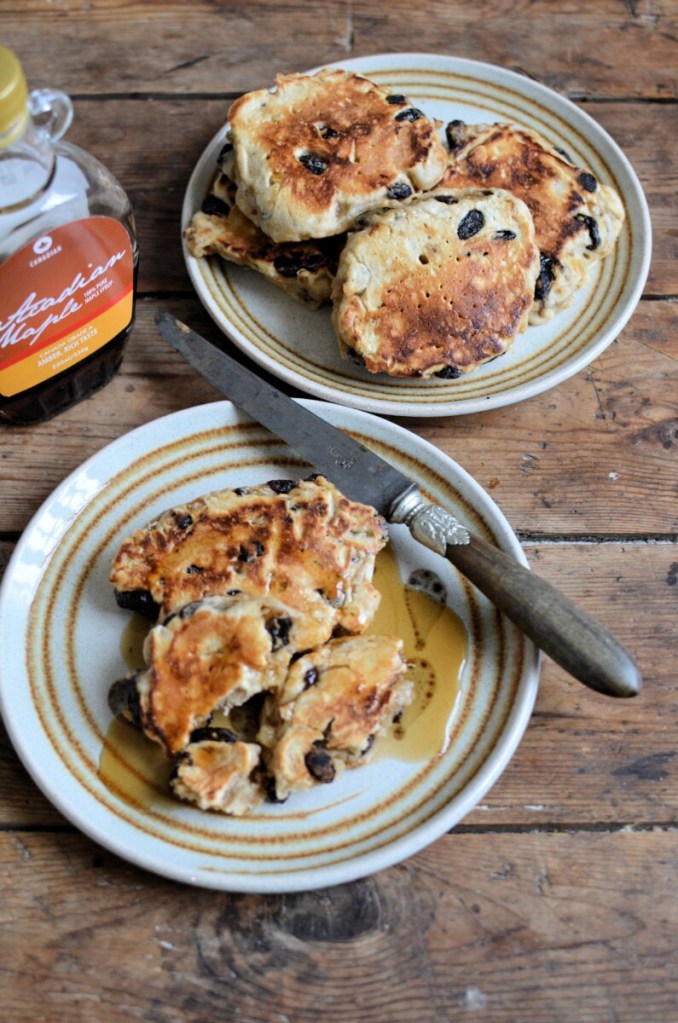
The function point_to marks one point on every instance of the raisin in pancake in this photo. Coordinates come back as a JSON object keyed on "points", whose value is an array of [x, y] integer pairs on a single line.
{"points": [[304, 270], [577, 219], [213, 654], [335, 701], [315, 152], [436, 285], [217, 771], [300, 542]]}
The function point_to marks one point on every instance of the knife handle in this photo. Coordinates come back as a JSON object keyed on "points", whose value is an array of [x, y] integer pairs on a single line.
{"points": [[570, 636]]}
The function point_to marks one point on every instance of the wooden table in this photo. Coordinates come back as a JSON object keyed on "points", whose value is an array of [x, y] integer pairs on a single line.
{"points": [[555, 900]]}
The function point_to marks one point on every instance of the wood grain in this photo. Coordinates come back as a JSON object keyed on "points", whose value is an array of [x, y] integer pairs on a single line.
{"points": [[116, 47], [576, 460], [554, 900], [556, 927]]}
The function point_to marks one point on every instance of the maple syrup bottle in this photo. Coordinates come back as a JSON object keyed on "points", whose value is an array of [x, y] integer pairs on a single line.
{"points": [[68, 257]]}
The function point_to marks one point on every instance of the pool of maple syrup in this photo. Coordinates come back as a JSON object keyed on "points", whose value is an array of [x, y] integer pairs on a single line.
{"points": [[435, 646]]}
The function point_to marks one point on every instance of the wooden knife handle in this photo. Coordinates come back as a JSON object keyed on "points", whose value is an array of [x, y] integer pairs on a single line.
{"points": [[570, 636]]}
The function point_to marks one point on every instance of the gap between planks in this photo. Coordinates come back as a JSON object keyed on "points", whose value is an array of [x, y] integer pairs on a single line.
{"points": [[566, 828]]}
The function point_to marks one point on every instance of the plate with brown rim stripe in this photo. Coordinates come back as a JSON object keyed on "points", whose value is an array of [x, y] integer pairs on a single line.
{"points": [[65, 641], [298, 345]]}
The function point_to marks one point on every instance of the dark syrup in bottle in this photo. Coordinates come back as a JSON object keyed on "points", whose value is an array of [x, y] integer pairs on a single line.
{"points": [[68, 258]]}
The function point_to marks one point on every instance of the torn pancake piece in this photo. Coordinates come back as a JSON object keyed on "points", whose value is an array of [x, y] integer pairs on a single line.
{"points": [[217, 771], [213, 654], [301, 542], [436, 285], [315, 151], [335, 702], [304, 270], [577, 218]]}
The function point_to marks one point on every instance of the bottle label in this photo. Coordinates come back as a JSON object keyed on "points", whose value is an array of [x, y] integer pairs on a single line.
{"points": [[63, 296]]}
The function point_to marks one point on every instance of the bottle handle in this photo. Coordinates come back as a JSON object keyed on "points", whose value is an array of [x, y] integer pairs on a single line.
{"points": [[51, 112]]}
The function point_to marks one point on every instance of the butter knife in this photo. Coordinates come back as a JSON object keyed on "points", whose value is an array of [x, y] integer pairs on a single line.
{"points": [[564, 631]]}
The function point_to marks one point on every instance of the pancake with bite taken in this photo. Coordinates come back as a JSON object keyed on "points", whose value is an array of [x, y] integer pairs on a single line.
{"points": [[335, 702]]}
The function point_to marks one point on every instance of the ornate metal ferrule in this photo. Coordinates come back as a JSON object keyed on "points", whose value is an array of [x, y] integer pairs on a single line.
{"points": [[428, 523]]}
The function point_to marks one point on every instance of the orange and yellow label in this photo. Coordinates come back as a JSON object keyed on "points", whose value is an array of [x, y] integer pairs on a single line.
{"points": [[62, 297]]}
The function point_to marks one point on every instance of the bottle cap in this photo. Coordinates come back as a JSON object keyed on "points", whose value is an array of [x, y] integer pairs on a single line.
{"points": [[13, 97]]}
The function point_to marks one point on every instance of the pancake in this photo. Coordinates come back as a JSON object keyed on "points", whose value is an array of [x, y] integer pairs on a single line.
{"points": [[335, 701], [217, 771], [577, 219], [303, 543], [436, 285], [316, 151], [211, 655], [304, 270]]}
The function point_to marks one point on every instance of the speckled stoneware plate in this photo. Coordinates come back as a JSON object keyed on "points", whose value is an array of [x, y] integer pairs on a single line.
{"points": [[61, 636], [299, 346]]}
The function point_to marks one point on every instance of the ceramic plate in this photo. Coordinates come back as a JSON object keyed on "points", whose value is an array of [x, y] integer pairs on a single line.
{"points": [[61, 635], [299, 346]]}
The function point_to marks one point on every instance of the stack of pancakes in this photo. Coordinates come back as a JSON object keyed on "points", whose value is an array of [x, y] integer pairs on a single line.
{"points": [[260, 597], [435, 257]]}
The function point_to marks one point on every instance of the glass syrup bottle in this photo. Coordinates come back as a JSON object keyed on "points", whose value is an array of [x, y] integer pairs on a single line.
{"points": [[68, 257]]}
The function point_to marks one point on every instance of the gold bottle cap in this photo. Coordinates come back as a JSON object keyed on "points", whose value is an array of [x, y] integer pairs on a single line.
{"points": [[13, 98]]}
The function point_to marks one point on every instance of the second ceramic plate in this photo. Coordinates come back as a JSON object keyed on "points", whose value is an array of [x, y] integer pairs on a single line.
{"points": [[64, 641], [298, 345]]}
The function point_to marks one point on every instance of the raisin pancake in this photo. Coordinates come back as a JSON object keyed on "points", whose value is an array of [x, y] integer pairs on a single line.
{"points": [[316, 151], [217, 771], [577, 219], [303, 543], [335, 701], [211, 655], [304, 270], [436, 285]]}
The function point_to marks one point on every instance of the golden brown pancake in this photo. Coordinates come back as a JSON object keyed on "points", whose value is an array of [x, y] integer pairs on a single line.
{"points": [[315, 152], [217, 771], [577, 219], [436, 285], [302, 543], [335, 701], [304, 270], [213, 654]]}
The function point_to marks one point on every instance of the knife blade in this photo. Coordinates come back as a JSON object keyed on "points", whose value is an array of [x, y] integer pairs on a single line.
{"points": [[575, 640]]}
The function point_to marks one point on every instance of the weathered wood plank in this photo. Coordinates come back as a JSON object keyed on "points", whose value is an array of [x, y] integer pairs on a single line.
{"points": [[582, 457], [584, 758], [612, 49], [6, 549], [579, 459], [555, 899], [552, 927]]}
